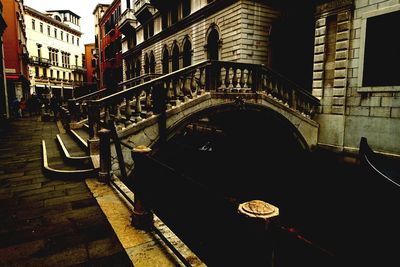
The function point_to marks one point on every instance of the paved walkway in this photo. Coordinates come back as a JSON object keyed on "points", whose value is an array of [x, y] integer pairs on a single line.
{"points": [[47, 222]]}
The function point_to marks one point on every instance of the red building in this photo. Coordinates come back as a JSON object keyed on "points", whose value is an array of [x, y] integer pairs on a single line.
{"points": [[16, 56], [91, 63], [4, 111], [110, 47]]}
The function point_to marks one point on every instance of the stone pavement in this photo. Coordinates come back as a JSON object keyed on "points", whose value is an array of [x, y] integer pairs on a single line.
{"points": [[43, 221]]}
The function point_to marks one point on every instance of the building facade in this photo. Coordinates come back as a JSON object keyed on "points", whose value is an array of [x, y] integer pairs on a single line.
{"points": [[15, 50], [91, 65], [162, 37], [56, 52], [110, 46], [98, 13], [4, 110], [356, 75]]}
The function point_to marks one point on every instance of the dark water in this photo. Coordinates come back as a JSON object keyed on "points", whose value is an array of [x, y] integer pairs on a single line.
{"points": [[331, 212]]}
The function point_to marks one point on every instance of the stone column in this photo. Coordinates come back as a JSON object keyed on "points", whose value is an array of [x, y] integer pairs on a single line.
{"points": [[94, 124], [259, 217], [142, 216]]}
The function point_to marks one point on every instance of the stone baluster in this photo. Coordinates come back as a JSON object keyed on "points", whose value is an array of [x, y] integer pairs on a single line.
{"points": [[202, 80], [128, 109], [234, 78], [227, 79], [138, 107], [193, 85]]}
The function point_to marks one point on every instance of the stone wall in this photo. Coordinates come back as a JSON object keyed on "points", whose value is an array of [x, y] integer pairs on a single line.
{"points": [[350, 110], [243, 27]]}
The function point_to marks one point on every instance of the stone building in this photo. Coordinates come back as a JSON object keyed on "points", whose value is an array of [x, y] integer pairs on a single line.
{"points": [[355, 75], [161, 37], [320, 45], [56, 52]]}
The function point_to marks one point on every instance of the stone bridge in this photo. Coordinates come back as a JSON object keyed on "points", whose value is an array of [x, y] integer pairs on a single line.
{"points": [[151, 107]]}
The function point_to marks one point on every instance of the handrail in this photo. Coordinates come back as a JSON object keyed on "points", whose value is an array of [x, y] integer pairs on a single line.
{"points": [[121, 94], [90, 95]]}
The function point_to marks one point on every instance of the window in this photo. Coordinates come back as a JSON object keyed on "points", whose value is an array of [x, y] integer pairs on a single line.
{"points": [[175, 57], [36, 72], [67, 37], [77, 41], [165, 61], [94, 63], [185, 8], [76, 60], [33, 24], [55, 33], [48, 30], [174, 15], [44, 73], [39, 50], [164, 21], [41, 27], [187, 53], [58, 75], [382, 50], [73, 40], [62, 35], [69, 76], [128, 4]]}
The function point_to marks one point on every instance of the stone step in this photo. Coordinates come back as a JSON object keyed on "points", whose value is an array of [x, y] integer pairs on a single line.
{"points": [[56, 167]]}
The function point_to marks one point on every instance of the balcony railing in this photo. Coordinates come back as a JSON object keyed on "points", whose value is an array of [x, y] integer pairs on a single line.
{"points": [[76, 68], [144, 10], [127, 22], [39, 61]]}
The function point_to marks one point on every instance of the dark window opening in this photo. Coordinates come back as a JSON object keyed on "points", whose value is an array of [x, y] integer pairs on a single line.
{"points": [[165, 61], [175, 57], [212, 45], [382, 51], [186, 8], [152, 63], [174, 15], [146, 63], [187, 54]]}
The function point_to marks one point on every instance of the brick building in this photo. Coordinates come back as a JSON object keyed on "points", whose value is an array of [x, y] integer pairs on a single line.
{"points": [[4, 111], [15, 50], [110, 46]]}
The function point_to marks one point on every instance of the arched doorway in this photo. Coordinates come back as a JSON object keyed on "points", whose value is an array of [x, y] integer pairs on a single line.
{"points": [[213, 43], [187, 53], [175, 57]]}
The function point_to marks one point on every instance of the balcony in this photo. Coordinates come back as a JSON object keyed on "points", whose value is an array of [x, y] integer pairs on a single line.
{"points": [[79, 69], [162, 5], [39, 61], [144, 10], [127, 22]]}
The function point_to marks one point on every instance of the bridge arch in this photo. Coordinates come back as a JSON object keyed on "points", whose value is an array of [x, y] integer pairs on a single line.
{"points": [[264, 117]]}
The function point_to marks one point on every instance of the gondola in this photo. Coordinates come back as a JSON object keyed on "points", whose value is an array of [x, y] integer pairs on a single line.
{"points": [[379, 165]]}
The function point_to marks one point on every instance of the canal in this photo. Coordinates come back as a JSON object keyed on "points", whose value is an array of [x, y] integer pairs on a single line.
{"points": [[331, 212]]}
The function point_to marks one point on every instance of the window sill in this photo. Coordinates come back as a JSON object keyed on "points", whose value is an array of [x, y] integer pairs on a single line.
{"points": [[376, 89]]}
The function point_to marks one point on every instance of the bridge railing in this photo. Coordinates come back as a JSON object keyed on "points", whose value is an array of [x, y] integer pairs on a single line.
{"points": [[242, 77], [141, 101], [78, 107]]}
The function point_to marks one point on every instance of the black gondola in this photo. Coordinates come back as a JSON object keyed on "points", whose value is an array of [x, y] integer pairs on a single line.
{"points": [[379, 165]]}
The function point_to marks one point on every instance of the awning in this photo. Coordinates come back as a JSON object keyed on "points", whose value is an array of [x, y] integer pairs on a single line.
{"points": [[68, 87], [40, 85], [55, 87]]}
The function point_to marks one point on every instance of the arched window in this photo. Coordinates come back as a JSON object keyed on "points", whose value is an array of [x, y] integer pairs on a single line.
{"points": [[213, 45], [175, 57], [187, 53], [165, 61], [146, 63], [152, 63]]}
